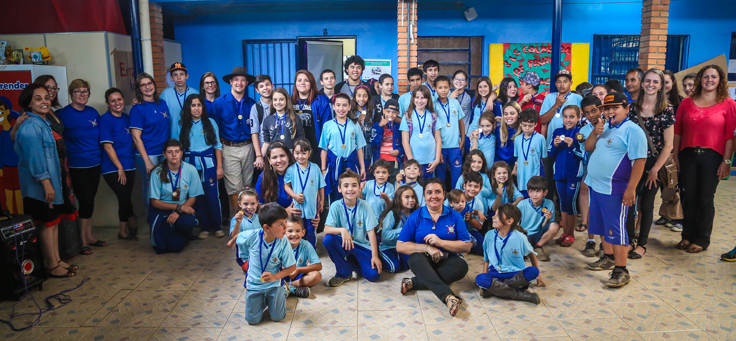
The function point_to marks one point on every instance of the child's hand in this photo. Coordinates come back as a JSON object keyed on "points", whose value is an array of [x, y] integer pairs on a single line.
{"points": [[474, 134], [376, 264], [362, 185], [569, 141], [385, 196], [481, 216], [394, 153], [268, 277], [499, 190], [347, 240], [362, 174], [315, 221], [300, 198], [540, 282], [468, 216], [231, 244], [399, 177], [527, 98], [557, 141], [433, 165], [239, 216], [383, 122], [548, 215]]}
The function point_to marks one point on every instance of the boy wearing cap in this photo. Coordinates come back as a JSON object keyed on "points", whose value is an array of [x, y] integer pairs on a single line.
{"points": [[386, 139], [231, 112], [176, 96], [415, 79], [616, 164], [354, 67], [530, 95]]}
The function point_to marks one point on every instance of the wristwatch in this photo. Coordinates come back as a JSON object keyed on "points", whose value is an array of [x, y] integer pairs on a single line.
{"points": [[728, 162]]}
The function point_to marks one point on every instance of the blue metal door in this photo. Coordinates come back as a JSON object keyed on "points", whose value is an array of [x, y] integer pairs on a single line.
{"points": [[274, 57]]}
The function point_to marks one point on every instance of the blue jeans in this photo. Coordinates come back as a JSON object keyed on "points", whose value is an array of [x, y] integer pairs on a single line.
{"points": [[145, 178], [257, 301]]}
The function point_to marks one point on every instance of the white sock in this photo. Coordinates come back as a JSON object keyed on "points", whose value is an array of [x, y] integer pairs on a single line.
{"points": [[591, 240]]}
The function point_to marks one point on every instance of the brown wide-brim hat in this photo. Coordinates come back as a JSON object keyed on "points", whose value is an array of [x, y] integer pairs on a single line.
{"points": [[239, 71]]}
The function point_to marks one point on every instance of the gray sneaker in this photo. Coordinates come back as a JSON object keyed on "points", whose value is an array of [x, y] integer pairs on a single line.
{"points": [[541, 255], [589, 249], [604, 263], [299, 291], [337, 281], [618, 278], [676, 227]]}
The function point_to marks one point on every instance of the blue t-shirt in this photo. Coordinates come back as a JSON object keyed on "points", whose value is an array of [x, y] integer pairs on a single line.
{"points": [[451, 112], [609, 169], [418, 190], [284, 199], [422, 148], [233, 117], [333, 135], [251, 223], [556, 122], [305, 255], [487, 145], [449, 226], [361, 220], [404, 101], [114, 130], [305, 181], [505, 153], [390, 233], [188, 184], [153, 121], [271, 257], [532, 216], [432, 91], [176, 100], [372, 194], [529, 153], [511, 254], [81, 136]]}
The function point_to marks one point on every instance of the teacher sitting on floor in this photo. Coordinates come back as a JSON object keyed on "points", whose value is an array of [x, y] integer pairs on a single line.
{"points": [[174, 188], [432, 237]]}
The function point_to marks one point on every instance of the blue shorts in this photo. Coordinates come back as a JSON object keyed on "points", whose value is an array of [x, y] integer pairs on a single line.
{"points": [[535, 238], [607, 217], [568, 193]]}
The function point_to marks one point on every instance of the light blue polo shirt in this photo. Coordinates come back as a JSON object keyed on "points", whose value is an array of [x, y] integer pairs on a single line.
{"points": [[504, 198], [362, 220], [254, 245], [332, 137], [418, 190], [535, 149], [390, 233], [450, 112], [305, 181], [586, 131], [251, 223], [422, 148], [470, 206], [432, 91], [372, 194], [449, 226], [305, 255], [478, 111], [198, 141], [485, 191], [404, 102], [487, 145], [189, 184], [511, 255], [556, 122], [532, 216], [176, 100], [610, 165]]}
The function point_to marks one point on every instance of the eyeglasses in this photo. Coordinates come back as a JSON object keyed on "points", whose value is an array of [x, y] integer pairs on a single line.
{"points": [[460, 79], [145, 85], [52, 89], [210, 83], [80, 92]]}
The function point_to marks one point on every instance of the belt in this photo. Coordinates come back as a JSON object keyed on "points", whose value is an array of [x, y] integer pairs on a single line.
{"points": [[235, 144], [700, 150]]}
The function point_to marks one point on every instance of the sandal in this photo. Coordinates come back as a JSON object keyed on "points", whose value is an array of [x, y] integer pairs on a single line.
{"points": [[453, 304], [86, 250], [695, 248], [569, 240], [561, 239], [581, 228], [682, 245], [69, 273], [129, 237], [635, 255], [406, 285], [72, 267], [98, 243]]}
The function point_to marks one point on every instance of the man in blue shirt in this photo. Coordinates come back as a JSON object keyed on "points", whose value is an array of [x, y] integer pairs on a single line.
{"points": [[176, 96], [231, 112]]}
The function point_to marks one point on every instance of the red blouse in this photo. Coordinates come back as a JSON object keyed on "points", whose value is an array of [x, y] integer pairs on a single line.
{"points": [[708, 127]]}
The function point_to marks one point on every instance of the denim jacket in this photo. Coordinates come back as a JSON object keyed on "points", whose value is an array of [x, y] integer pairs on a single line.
{"points": [[38, 159]]}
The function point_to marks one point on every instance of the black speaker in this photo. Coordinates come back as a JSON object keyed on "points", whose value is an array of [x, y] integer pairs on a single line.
{"points": [[21, 262]]}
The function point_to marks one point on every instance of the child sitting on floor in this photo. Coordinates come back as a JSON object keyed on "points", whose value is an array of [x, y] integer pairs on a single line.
{"points": [[308, 265]]}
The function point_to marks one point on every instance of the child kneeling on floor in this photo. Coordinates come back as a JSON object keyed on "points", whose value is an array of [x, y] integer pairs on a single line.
{"points": [[308, 266], [265, 289], [505, 274]]}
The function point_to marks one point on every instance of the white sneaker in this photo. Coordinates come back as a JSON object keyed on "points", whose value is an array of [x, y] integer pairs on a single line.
{"points": [[676, 227], [219, 234], [203, 235]]}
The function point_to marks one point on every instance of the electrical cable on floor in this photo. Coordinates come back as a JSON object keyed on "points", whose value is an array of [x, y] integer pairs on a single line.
{"points": [[61, 297]]}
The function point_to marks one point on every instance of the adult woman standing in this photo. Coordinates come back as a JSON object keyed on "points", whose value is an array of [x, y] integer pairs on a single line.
{"points": [[656, 117], [433, 236], [270, 184], [210, 89], [314, 110], [703, 144], [82, 137], [673, 91], [48, 82], [43, 179], [149, 126]]}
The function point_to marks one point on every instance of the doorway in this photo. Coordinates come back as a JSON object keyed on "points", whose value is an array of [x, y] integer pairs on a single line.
{"points": [[317, 54]]}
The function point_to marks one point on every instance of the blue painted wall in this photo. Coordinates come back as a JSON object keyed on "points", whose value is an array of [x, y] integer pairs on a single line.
{"points": [[214, 42]]}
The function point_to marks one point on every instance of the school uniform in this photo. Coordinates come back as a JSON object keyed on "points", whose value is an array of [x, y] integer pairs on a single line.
{"points": [[473, 122], [114, 130], [475, 236], [283, 199], [270, 294], [247, 224], [505, 257], [498, 109], [422, 147], [449, 116], [313, 117], [339, 159], [529, 153], [485, 190], [258, 112], [202, 156], [153, 121], [505, 153], [532, 218], [568, 169], [358, 220], [392, 260], [305, 255], [432, 91], [585, 131], [386, 139], [570, 99], [208, 104], [176, 100], [306, 181], [487, 145], [418, 190], [233, 120], [466, 103], [504, 199], [404, 102], [174, 237], [372, 194], [275, 126], [609, 171]]}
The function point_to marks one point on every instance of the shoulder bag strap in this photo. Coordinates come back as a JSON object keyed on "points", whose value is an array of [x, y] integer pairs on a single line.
{"points": [[646, 132]]}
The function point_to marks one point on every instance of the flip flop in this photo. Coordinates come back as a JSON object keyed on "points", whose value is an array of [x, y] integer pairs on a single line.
{"points": [[581, 228], [682, 245]]}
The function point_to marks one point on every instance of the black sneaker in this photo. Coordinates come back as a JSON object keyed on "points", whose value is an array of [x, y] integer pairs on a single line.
{"points": [[661, 221], [604, 263], [337, 281], [299, 292], [589, 249], [600, 252], [730, 256], [619, 278]]}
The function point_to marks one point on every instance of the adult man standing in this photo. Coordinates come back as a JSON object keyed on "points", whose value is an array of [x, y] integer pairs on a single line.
{"points": [[232, 114], [633, 83]]}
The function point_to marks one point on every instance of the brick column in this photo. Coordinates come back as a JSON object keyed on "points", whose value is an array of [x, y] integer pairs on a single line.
{"points": [[157, 46], [407, 56], [653, 43]]}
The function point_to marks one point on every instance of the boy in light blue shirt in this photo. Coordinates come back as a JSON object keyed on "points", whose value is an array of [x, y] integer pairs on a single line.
{"points": [[415, 79], [530, 149], [308, 266], [377, 192], [538, 216], [176, 96], [451, 114]]}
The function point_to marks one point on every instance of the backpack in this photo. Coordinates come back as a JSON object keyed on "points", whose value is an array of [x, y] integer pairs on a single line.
{"points": [[411, 126], [259, 109]]}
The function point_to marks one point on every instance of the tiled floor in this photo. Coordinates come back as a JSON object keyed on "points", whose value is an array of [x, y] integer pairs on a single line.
{"points": [[133, 294]]}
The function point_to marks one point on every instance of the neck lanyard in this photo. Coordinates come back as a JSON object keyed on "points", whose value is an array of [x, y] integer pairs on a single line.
{"points": [[343, 132], [483, 107], [380, 190], [421, 119], [250, 220], [539, 209], [434, 92], [560, 109], [347, 215], [281, 121], [611, 125], [462, 97], [351, 90], [306, 179], [296, 252], [260, 253], [503, 245], [468, 207], [174, 179], [178, 99], [408, 183], [301, 105], [528, 147], [446, 110], [383, 102]]}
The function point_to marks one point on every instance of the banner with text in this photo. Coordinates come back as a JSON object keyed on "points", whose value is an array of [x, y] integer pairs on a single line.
{"points": [[518, 59]]}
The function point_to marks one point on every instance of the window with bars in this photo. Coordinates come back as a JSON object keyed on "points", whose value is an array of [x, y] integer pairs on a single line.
{"points": [[613, 55], [453, 54]]}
